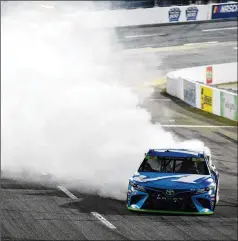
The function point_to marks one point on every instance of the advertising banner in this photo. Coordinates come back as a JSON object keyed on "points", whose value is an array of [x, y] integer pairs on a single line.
{"points": [[191, 13], [206, 99], [228, 10], [178, 14], [189, 93], [209, 75], [228, 105], [174, 14]]}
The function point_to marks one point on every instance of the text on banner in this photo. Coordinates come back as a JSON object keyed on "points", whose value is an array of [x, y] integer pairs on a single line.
{"points": [[206, 98], [221, 11]]}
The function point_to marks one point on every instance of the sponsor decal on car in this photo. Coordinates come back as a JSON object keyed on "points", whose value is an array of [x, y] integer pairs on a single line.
{"points": [[170, 192], [172, 199], [189, 178]]}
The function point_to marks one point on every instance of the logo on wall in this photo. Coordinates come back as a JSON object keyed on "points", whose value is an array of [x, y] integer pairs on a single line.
{"points": [[209, 75], [174, 14], [191, 13], [224, 11], [228, 105], [189, 93], [225, 8]]}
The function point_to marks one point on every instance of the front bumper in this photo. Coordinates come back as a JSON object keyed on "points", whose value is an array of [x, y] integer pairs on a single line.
{"points": [[183, 202]]}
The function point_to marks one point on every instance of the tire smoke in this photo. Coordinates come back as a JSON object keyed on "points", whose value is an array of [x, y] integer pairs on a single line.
{"points": [[68, 106]]}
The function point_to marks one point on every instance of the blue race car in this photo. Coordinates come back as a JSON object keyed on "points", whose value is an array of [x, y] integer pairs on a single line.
{"points": [[174, 181]]}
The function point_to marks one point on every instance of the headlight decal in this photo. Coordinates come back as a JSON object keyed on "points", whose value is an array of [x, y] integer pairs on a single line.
{"points": [[205, 189], [137, 187]]}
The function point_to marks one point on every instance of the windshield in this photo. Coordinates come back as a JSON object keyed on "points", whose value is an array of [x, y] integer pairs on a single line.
{"points": [[188, 165]]}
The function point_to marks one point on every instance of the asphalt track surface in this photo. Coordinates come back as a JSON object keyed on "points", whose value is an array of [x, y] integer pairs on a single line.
{"points": [[36, 212]]}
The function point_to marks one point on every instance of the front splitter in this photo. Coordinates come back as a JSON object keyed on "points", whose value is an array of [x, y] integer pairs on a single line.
{"points": [[170, 212]]}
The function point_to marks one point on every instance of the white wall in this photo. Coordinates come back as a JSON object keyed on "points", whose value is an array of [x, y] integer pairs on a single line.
{"points": [[216, 102], [197, 74], [222, 73], [145, 16], [135, 17], [175, 88], [222, 102]]}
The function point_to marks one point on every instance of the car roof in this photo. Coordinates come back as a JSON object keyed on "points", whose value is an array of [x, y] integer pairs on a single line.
{"points": [[175, 153]]}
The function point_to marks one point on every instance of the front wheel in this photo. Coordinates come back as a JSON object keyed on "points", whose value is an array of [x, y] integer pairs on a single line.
{"points": [[217, 193], [217, 196]]}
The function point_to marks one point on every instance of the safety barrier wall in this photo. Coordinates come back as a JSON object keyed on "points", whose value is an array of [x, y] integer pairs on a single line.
{"points": [[221, 73], [158, 15], [189, 86]]}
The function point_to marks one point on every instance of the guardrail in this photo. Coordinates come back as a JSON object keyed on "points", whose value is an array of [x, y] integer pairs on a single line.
{"points": [[189, 86]]}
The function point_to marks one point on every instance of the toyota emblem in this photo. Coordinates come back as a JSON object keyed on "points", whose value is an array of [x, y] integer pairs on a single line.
{"points": [[170, 192]]}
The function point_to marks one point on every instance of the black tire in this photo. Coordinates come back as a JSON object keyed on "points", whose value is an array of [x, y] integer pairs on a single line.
{"points": [[217, 190]]}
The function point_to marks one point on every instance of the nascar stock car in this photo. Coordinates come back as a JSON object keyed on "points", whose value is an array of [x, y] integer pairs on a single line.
{"points": [[174, 181]]}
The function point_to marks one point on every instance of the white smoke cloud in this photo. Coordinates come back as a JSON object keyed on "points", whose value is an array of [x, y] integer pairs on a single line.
{"points": [[68, 108]]}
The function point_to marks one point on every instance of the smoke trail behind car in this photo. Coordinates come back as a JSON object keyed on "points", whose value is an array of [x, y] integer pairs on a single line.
{"points": [[68, 108]]}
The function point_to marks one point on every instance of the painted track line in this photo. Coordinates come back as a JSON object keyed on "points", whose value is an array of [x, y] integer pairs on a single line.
{"points": [[95, 214], [103, 220], [47, 6], [159, 99], [145, 35], [211, 42], [197, 126], [67, 192], [218, 29], [176, 48], [100, 217]]}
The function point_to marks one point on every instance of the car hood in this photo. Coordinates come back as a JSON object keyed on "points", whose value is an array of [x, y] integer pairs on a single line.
{"points": [[172, 180]]}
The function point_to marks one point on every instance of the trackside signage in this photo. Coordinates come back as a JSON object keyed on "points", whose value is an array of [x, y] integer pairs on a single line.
{"points": [[191, 85], [209, 75], [189, 90], [174, 14], [183, 14], [221, 11], [206, 99], [228, 106]]}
